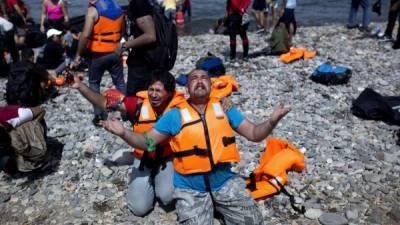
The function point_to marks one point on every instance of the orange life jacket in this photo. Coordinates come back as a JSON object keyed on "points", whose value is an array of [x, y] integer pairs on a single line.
{"points": [[223, 86], [278, 158], [147, 117], [204, 141], [106, 33]]}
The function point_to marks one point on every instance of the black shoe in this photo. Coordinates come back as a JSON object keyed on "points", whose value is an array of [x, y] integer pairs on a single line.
{"points": [[396, 45], [365, 29], [96, 120], [352, 26]]}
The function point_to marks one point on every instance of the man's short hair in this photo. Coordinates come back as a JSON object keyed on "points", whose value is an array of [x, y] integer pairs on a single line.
{"points": [[166, 78], [27, 54]]}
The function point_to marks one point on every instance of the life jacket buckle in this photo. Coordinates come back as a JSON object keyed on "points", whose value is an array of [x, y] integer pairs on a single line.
{"points": [[228, 140]]}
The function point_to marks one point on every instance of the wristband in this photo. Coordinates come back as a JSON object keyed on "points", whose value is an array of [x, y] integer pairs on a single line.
{"points": [[151, 147]]}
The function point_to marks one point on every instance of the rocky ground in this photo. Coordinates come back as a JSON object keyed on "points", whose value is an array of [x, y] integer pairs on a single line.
{"points": [[353, 165]]}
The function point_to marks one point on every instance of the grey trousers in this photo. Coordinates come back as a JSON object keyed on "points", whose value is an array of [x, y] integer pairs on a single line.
{"points": [[232, 201], [111, 63], [143, 188]]}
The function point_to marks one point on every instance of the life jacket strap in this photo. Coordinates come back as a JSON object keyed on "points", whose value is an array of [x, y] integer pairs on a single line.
{"points": [[228, 140], [195, 151], [302, 209], [252, 185]]}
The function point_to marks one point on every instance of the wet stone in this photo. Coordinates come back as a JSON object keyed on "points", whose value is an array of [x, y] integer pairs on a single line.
{"points": [[332, 219]]}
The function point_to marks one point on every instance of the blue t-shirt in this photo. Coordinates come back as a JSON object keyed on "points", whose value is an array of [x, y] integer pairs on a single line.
{"points": [[170, 124]]}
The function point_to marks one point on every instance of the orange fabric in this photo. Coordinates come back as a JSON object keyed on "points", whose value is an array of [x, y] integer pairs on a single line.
{"points": [[278, 158], [267, 187], [106, 35], [309, 54], [196, 133], [292, 55], [223, 86], [148, 117]]}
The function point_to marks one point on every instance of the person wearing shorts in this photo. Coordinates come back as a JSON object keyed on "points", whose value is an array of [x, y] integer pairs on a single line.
{"points": [[259, 7]]}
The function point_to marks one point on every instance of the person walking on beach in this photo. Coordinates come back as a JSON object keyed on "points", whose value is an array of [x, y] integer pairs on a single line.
{"points": [[367, 10], [238, 23], [101, 35], [54, 15], [152, 172], [203, 145]]}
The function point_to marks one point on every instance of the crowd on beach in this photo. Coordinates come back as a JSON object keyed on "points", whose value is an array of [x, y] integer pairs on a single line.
{"points": [[184, 145]]}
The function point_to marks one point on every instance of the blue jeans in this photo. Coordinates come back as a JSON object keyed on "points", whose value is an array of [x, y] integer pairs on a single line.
{"points": [[113, 64], [143, 188], [367, 9]]}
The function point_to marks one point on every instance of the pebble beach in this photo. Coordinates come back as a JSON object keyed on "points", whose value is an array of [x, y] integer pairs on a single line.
{"points": [[352, 165]]}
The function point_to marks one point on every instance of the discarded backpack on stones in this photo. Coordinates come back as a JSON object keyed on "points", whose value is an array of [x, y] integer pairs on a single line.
{"points": [[279, 41], [27, 145], [331, 75], [371, 105], [212, 64]]}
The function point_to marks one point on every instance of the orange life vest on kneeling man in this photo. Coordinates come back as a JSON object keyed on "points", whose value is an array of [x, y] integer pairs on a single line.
{"points": [[204, 140]]}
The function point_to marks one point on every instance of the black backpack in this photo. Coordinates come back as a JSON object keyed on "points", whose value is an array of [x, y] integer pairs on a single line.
{"points": [[160, 55], [23, 86], [163, 54]]}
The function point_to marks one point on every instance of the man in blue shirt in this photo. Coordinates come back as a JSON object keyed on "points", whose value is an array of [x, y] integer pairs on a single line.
{"points": [[203, 186]]}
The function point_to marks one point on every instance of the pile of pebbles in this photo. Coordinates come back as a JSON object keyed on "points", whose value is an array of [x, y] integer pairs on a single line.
{"points": [[353, 165]]}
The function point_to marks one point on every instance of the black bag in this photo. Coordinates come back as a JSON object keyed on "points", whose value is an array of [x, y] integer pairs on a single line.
{"points": [[23, 86], [372, 105], [163, 55]]}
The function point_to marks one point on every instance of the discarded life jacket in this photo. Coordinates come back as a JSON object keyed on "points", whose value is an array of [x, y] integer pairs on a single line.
{"points": [[106, 33], [269, 177], [331, 75], [223, 86], [372, 105], [145, 120], [297, 53], [204, 141]]}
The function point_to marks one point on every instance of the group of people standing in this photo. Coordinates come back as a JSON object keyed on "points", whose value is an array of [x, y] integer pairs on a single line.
{"points": [[367, 6], [238, 22]]}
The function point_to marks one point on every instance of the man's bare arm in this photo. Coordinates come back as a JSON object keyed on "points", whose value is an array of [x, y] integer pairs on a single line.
{"points": [[136, 140], [260, 131], [90, 20], [93, 97], [146, 24]]}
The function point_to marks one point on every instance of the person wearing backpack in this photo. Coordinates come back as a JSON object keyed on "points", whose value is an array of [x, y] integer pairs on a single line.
{"points": [[144, 32], [154, 46], [101, 34]]}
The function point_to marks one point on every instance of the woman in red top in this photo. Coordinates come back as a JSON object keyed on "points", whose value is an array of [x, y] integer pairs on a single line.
{"points": [[18, 12], [238, 23]]}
